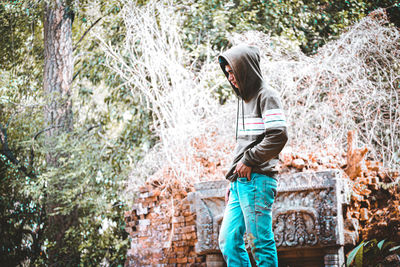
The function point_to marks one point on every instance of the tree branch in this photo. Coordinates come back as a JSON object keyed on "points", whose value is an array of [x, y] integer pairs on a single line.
{"points": [[32, 154], [76, 74], [83, 36], [45, 130], [93, 126], [9, 155]]}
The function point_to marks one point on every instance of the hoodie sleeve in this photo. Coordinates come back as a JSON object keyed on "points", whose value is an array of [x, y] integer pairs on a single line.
{"points": [[275, 133]]}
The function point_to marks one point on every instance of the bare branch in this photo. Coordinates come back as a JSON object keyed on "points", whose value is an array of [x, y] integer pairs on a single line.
{"points": [[83, 36], [45, 130], [352, 83], [93, 127], [184, 111]]}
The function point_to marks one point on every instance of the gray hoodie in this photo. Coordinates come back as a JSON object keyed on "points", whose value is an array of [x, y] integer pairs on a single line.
{"points": [[261, 124]]}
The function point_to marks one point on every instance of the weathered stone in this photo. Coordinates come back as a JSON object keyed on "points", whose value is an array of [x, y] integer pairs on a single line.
{"points": [[144, 195], [143, 189], [163, 227], [182, 260], [155, 193], [364, 214], [142, 226], [177, 237], [189, 229], [298, 164], [351, 237], [307, 213], [215, 260], [307, 216], [209, 206], [180, 243], [166, 244], [140, 210], [190, 218], [172, 260], [351, 223], [179, 219], [356, 197]]}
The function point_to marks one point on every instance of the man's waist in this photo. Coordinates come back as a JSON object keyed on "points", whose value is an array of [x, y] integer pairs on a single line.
{"points": [[270, 173]]}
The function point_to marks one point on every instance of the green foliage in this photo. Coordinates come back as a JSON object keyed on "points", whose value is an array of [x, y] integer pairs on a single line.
{"points": [[92, 176], [20, 218], [374, 253], [109, 131], [394, 14], [21, 43], [312, 23]]}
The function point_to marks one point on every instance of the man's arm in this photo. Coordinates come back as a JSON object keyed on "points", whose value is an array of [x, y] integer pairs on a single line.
{"points": [[275, 133], [267, 149]]}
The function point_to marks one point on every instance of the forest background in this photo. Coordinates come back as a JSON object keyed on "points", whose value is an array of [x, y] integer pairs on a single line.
{"points": [[75, 126]]}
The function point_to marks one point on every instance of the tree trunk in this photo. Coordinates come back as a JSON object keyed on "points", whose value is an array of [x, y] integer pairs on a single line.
{"points": [[58, 71], [58, 68]]}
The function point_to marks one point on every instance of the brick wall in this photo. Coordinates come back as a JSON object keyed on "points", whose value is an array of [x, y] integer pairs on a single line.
{"points": [[162, 226], [162, 229], [374, 209]]}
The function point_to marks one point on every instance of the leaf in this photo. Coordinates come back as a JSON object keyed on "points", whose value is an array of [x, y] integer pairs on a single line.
{"points": [[370, 247], [352, 254], [380, 244], [394, 248], [359, 256]]}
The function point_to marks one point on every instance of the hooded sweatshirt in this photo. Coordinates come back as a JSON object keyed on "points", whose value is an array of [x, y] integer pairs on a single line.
{"points": [[261, 129]]}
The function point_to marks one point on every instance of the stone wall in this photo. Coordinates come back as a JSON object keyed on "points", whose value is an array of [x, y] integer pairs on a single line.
{"points": [[307, 218], [176, 226], [374, 210], [170, 226], [162, 230]]}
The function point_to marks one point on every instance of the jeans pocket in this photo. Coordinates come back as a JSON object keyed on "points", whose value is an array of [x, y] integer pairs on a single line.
{"points": [[244, 180], [266, 194]]}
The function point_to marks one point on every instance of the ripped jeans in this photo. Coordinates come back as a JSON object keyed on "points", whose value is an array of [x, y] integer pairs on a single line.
{"points": [[249, 209]]}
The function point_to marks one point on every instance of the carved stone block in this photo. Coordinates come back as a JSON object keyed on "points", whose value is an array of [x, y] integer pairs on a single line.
{"points": [[208, 202], [308, 210], [307, 213]]}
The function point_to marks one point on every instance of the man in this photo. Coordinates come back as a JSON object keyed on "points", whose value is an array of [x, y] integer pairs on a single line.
{"points": [[261, 134]]}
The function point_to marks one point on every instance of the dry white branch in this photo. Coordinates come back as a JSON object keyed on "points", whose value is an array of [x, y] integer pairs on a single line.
{"points": [[156, 67], [352, 83]]}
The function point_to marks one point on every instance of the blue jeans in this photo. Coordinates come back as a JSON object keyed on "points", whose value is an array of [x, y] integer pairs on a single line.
{"points": [[249, 209]]}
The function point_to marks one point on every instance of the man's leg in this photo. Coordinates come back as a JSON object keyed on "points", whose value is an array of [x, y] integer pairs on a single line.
{"points": [[256, 198], [231, 234]]}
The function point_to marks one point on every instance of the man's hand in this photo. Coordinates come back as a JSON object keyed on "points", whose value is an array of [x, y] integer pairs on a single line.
{"points": [[227, 193], [243, 170]]}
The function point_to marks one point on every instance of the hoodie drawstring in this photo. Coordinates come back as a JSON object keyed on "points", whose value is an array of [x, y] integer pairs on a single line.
{"points": [[243, 115], [237, 119]]}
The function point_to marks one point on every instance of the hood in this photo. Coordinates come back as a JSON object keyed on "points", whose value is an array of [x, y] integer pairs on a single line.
{"points": [[245, 63]]}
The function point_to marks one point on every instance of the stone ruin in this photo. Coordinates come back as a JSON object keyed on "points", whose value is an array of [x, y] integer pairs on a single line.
{"points": [[307, 219], [307, 222]]}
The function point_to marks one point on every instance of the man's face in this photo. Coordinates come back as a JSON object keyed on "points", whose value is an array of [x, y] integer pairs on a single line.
{"points": [[231, 76]]}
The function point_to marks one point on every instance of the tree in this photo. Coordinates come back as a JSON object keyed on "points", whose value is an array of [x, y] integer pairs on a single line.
{"points": [[52, 162], [57, 79]]}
